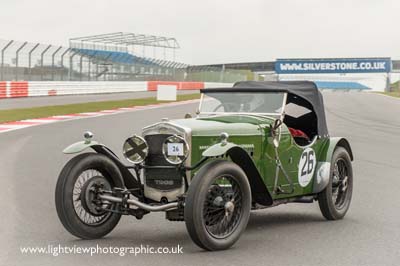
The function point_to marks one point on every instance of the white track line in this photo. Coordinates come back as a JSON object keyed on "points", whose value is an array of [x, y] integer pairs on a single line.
{"points": [[39, 121]]}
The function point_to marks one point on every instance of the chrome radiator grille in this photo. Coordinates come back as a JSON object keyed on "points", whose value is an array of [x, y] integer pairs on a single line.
{"points": [[156, 157], [160, 178]]}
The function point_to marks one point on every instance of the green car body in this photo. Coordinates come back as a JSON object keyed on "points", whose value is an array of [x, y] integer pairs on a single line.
{"points": [[252, 135], [269, 146]]}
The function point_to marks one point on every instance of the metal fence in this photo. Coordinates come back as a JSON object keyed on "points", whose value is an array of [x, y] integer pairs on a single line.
{"points": [[25, 61]]}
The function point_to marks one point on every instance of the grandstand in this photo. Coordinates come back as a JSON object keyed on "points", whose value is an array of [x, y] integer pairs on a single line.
{"points": [[115, 56], [122, 48], [118, 56]]}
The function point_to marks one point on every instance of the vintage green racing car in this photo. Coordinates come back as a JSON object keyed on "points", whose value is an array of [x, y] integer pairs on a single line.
{"points": [[251, 146]]}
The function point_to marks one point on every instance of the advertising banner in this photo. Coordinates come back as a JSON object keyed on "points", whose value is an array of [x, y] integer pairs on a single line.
{"points": [[354, 65]]}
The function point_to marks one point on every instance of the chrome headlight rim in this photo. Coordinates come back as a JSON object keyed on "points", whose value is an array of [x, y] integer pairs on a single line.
{"points": [[183, 158], [146, 150]]}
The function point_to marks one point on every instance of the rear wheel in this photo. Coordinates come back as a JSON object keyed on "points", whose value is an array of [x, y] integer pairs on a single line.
{"points": [[217, 207], [334, 200], [78, 208]]}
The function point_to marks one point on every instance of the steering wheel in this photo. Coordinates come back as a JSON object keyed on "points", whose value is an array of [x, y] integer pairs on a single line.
{"points": [[225, 105]]}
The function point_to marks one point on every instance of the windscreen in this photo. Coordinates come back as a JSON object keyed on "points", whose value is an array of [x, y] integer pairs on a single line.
{"points": [[242, 102]]}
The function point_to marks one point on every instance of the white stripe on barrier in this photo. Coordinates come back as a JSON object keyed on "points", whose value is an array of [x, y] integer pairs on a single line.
{"points": [[217, 85], [37, 88], [7, 89]]}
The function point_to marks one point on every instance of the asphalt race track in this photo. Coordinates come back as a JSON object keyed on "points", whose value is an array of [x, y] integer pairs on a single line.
{"points": [[297, 234]]}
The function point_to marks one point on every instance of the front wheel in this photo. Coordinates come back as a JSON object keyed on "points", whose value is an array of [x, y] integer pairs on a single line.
{"points": [[334, 200], [81, 213], [217, 206]]}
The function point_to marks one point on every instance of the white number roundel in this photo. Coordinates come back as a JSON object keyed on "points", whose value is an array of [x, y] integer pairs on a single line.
{"points": [[306, 167]]}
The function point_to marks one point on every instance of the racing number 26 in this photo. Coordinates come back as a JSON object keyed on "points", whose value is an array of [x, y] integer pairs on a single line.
{"points": [[308, 165]]}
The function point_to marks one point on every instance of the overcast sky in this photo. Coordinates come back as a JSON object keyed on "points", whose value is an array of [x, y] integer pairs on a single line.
{"points": [[219, 31]]}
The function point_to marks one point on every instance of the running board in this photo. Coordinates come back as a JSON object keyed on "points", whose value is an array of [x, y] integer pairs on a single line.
{"points": [[302, 199]]}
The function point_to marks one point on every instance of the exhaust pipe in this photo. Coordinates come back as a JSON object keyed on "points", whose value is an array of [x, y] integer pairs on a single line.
{"points": [[144, 206]]}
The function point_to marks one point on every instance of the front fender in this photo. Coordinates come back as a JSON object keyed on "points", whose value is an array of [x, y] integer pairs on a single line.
{"points": [[218, 149], [80, 146], [238, 155], [129, 179], [259, 190]]}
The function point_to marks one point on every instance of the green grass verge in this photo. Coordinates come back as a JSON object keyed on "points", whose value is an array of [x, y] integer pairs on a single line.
{"points": [[395, 87], [46, 111], [392, 93]]}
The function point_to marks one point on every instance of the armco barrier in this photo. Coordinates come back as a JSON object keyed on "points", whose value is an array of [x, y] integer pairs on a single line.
{"points": [[18, 89], [53, 88], [14, 89], [3, 89], [153, 85]]}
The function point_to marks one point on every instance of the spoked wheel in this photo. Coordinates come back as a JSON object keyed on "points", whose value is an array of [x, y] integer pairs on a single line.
{"points": [[90, 209], [217, 207], [340, 184], [334, 200], [80, 210], [222, 207]]}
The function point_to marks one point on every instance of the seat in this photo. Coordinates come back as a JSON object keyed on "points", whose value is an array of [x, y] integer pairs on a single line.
{"points": [[297, 133]]}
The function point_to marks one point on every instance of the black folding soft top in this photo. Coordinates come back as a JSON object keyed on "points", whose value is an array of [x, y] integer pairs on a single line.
{"points": [[307, 90]]}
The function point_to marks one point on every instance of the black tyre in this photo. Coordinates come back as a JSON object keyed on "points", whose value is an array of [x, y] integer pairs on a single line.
{"points": [[334, 200], [217, 206], [74, 196]]}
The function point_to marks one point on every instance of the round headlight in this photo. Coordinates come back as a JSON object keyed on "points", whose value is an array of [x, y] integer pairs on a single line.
{"points": [[135, 149], [175, 149]]}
